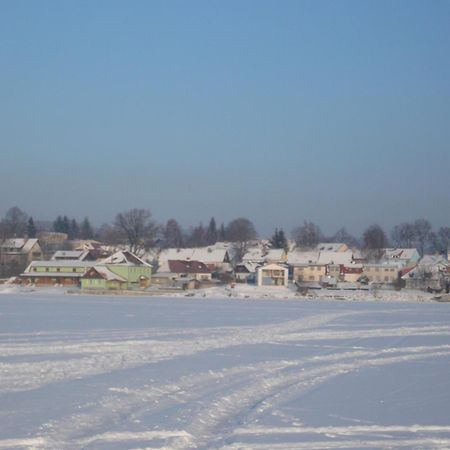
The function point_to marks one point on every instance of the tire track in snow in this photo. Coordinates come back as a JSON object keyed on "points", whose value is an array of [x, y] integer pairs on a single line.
{"points": [[239, 391]]}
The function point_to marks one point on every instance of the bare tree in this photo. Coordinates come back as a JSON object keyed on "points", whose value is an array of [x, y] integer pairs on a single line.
{"points": [[443, 239], [240, 231], [136, 228], [173, 235], [15, 222], [342, 235], [307, 235], [422, 234], [403, 235], [375, 240]]}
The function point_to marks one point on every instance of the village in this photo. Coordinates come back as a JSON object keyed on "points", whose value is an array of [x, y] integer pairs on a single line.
{"points": [[90, 266]]}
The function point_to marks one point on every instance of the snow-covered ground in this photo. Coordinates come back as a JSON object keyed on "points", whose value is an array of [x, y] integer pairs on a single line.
{"points": [[99, 372]]}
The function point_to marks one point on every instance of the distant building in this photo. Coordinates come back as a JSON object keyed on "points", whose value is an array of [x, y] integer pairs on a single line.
{"points": [[65, 272], [272, 275], [17, 253], [382, 273], [215, 257], [407, 257], [122, 270], [196, 270]]}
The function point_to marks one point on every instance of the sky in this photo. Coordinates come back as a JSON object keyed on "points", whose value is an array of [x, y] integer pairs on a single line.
{"points": [[336, 112]]}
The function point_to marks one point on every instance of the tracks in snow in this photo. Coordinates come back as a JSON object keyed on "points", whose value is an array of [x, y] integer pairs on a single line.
{"points": [[212, 409]]}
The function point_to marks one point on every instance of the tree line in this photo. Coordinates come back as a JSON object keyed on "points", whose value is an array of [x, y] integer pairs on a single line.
{"points": [[138, 230]]}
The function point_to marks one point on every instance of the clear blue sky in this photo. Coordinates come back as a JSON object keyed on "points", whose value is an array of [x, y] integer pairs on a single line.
{"points": [[332, 111]]}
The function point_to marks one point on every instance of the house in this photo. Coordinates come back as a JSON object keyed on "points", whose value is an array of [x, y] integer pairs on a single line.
{"points": [[196, 270], [65, 272], [407, 257], [95, 248], [245, 272], [272, 275], [122, 270], [216, 257], [432, 273], [309, 273], [261, 255], [16, 254], [100, 277], [381, 273]]}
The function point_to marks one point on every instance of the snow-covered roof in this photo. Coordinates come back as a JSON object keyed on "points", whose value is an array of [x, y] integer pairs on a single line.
{"points": [[344, 258], [19, 244], [60, 263], [297, 257], [70, 254], [431, 260], [275, 254], [400, 253], [331, 247], [271, 267], [107, 274], [254, 255], [249, 266], [125, 258], [207, 255]]}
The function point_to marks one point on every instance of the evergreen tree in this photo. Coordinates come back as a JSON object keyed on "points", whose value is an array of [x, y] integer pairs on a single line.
{"points": [[31, 228], [86, 231], [65, 225], [278, 240], [197, 236], [222, 233], [211, 232], [74, 230], [58, 225]]}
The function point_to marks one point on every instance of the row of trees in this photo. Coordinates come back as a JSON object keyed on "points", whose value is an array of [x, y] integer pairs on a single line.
{"points": [[139, 230], [418, 234]]}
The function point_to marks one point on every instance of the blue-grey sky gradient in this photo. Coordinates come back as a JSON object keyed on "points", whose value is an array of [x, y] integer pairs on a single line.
{"points": [[332, 111]]}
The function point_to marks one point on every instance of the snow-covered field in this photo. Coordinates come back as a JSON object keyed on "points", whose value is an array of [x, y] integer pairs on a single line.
{"points": [[97, 372]]}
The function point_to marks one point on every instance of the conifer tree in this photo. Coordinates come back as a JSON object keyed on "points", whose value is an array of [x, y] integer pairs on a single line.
{"points": [[31, 228]]}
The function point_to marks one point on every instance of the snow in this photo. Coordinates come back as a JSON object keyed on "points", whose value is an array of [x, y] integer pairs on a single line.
{"points": [[221, 372]]}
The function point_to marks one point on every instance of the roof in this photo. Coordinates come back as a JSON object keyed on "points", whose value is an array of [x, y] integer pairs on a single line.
{"points": [[125, 257], [272, 267], [52, 274], [61, 263], [208, 255], [330, 246], [344, 258], [297, 257], [400, 253], [106, 274], [178, 266], [70, 254], [249, 267], [254, 254], [20, 244]]}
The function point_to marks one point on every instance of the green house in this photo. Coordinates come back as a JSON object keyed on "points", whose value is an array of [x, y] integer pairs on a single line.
{"points": [[123, 270]]}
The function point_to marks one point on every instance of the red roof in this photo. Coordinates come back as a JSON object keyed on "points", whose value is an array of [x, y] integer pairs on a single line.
{"points": [[178, 266]]}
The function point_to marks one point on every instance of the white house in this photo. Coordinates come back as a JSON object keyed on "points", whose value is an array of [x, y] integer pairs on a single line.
{"points": [[272, 275]]}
